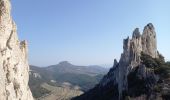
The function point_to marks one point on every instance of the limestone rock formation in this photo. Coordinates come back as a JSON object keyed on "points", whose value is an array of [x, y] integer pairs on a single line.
{"points": [[149, 42], [130, 58], [14, 67], [129, 77]]}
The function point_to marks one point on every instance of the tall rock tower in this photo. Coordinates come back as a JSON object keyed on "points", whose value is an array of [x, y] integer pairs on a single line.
{"points": [[130, 58], [149, 42], [14, 66], [130, 78]]}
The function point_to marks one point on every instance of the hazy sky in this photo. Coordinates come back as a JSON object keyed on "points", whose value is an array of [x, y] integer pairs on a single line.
{"points": [[87, 32]]}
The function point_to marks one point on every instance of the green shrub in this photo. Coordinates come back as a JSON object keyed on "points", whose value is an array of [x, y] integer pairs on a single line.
{"points": [[159, 65], [148, 61], [157, 88], [40, 91]]}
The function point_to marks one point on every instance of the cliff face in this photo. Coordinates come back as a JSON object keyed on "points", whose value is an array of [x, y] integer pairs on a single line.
{"points": [[13, 59], [130, 58]]}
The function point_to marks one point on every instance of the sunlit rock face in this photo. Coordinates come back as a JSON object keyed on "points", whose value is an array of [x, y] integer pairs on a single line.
{"points": [[130, 58], [149, 42], [14, 67]]}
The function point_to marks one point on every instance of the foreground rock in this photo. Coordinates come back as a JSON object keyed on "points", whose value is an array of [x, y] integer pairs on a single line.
{"points": [[13, 59]]}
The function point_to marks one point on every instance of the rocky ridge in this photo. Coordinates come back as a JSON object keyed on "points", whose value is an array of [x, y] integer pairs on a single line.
{"points": [[130, 57], [14, 69], [140, 73]]}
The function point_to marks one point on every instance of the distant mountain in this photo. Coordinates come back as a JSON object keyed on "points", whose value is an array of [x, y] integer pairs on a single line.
{"points": [[66, 67], [81, 77], [108, 66]]}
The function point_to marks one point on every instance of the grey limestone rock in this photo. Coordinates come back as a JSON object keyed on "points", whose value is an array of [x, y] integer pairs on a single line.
{"points": [[130, 58]]}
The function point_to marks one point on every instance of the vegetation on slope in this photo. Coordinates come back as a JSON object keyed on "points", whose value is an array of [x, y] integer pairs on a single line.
{"points": [[157, 82], [154, 84]]}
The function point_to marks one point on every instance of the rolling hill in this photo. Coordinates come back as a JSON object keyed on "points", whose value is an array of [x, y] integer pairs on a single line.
{"points": [[81, 78]]}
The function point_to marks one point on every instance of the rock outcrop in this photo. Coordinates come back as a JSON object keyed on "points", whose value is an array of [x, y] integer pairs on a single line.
{"points": [[130, 58], [130, 77], [14, 67]]}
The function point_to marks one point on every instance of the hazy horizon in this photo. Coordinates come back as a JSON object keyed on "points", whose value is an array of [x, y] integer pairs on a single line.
{"points": [[88, 32]]}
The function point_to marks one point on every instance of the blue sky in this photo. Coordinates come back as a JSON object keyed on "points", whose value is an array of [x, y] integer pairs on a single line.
{"points": [[86, 32]]}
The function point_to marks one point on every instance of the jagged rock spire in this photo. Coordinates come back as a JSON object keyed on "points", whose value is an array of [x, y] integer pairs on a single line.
{"points": [[14, 66], [136, 33], [115, 62], [130, 58], [149, 42]]}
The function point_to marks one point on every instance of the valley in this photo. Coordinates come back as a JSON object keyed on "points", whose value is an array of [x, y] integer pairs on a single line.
{"points": [[63, 78]]}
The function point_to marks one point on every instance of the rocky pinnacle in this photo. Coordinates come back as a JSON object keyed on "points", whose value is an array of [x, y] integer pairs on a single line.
{"points": [[130, 58]]}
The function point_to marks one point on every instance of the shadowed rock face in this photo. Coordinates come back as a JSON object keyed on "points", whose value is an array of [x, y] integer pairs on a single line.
{"points": [[130, 58], [13, 59]]}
